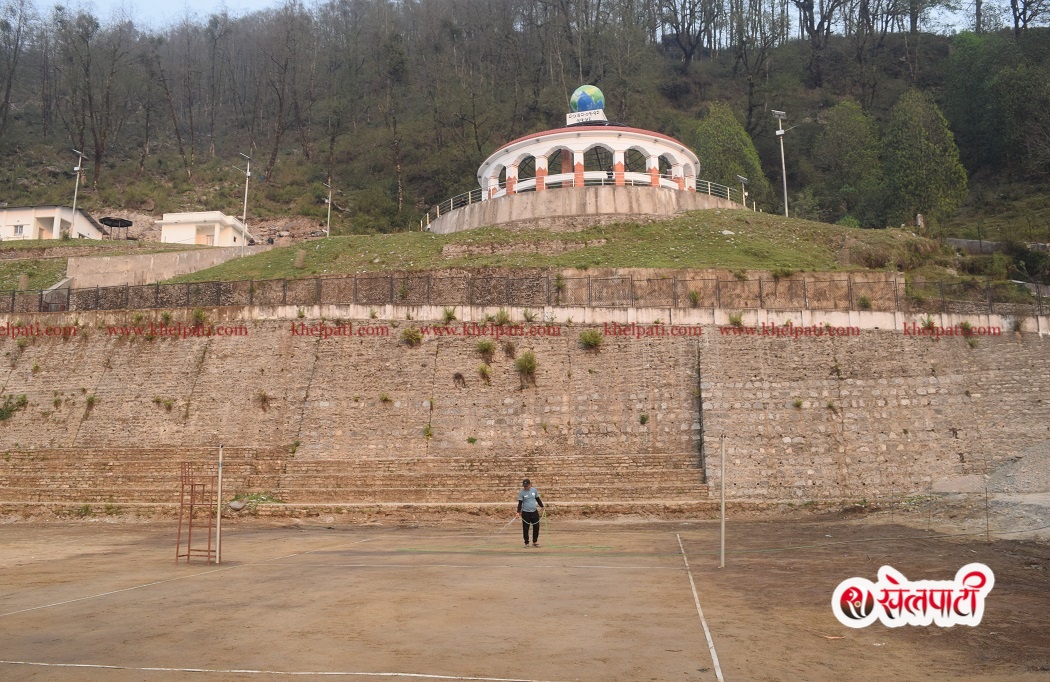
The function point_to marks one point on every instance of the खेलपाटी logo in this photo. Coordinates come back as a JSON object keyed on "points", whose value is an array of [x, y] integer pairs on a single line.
{"points": [[895, 601]]}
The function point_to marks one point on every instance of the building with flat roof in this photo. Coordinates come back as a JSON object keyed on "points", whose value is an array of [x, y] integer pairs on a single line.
{"points": [[207, 228], [48, 222]]}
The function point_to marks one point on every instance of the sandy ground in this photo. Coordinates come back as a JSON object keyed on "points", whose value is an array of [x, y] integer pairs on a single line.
{"points": [[599, 600]]}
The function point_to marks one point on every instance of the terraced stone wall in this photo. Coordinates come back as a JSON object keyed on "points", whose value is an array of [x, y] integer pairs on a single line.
{"points": [[350, 420]]}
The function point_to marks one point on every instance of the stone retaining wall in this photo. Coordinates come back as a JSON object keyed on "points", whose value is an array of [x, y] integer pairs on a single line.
{"points": [[349, 419]]}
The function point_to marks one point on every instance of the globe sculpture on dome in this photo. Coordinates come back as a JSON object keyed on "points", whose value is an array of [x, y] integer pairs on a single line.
{"points": [[587, 98], [590, 171]]}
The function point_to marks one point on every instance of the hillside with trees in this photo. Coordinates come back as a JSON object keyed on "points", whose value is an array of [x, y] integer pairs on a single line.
{"points": [[398, 103]]}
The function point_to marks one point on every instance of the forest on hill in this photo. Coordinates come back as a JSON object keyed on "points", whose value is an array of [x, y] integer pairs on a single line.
{"points": [[399, 102]]}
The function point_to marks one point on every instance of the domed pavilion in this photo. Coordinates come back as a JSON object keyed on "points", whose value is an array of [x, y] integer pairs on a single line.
{"points": [[604, 171]]}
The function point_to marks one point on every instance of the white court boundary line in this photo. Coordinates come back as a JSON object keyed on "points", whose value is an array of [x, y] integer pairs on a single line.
{"points": [[267, 672], [489, 566], [168, 580], [703, 621]]}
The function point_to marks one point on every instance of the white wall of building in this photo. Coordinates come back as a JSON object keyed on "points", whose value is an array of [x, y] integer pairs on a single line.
{"points": [[178, 234], [45, 222], [210, 228]]}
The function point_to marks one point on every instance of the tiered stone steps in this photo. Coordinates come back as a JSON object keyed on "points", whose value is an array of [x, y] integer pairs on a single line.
{"points": [[151, 476]]}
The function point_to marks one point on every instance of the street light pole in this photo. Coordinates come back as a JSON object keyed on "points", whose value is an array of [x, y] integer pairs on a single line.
{"points": [[780, 116], [743, 190], [244, 215], [76, 190], [328, 229]]}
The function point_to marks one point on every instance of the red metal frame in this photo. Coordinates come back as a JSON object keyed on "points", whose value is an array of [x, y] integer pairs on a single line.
{"points": [[197, 495]]}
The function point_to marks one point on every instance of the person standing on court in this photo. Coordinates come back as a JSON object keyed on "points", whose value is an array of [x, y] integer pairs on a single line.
{"points": [[529, 504]]}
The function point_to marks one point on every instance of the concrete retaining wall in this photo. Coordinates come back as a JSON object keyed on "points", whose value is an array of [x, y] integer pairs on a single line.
{"points": [[106, 271], [590, 203]]}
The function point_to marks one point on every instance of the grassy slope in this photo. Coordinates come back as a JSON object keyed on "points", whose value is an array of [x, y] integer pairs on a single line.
{"points": [[1003, 213], [44, 272], [102, 247], [695, 240]]}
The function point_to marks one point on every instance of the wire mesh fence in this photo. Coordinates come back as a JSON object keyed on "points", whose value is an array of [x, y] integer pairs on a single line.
{"points": [[534, 291]]}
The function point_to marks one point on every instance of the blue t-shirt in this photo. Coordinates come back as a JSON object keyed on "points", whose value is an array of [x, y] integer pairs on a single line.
{"points": [[528, 499]]}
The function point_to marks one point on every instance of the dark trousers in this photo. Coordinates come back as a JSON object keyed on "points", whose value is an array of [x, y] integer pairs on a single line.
{"points": [[533, 519]]}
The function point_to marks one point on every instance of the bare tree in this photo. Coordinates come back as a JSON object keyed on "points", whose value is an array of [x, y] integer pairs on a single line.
{"points": [[1025, 12], [873, 21], [95, 64], [157, 73], [690, 23], [15, 19], [757, 29], [817, 19]]}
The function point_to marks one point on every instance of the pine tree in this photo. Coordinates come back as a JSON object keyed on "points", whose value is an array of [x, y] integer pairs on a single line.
{"points": [[847, 154], [923, 171], [726, 151]]}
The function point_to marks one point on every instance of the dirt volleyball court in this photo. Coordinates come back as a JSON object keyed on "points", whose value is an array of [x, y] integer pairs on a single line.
{"points": [[463, 600]]}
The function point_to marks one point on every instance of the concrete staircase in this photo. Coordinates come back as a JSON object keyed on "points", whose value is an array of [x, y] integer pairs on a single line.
{"points": [[70, 477]]}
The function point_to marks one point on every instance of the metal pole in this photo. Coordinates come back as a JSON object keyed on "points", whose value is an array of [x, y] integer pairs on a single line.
{"points": [[722, 475], [783, 165], [244, 213], [328, 230], [76, 190], [218, 515]]}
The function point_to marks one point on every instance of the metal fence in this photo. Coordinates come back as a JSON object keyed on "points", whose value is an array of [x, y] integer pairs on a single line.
{"points": [[567, 180], [537, 291]]}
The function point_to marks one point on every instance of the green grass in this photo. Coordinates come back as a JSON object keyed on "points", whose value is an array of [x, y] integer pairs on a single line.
{"points": [[99, 247], [695, 240], [1003, 213], [43, 272]]}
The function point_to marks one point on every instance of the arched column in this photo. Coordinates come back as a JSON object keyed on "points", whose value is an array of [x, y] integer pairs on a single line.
{"points": [[618, 164], [654, 169], [676, 175], [577, 163], [690, 178], [541, 173]]}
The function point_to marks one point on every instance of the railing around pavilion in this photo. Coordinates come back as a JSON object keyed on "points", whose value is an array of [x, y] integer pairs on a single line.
{"points": [[566, 180], [537, 291]]}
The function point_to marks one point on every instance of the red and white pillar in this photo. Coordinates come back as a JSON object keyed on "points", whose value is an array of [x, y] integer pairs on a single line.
{"points": [[512, 178], [618, 167]]}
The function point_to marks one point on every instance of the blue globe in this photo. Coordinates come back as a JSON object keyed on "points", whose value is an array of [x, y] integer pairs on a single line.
{"points": [[587, 98]]}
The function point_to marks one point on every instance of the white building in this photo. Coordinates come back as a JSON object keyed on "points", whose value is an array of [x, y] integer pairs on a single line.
{"points": [[48, 222], [209, 228]]}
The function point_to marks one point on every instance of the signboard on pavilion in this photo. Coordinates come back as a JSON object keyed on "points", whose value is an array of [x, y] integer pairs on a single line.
{"points": [[584, 117]]}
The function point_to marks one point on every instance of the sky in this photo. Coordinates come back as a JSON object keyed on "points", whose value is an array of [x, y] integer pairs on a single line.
{"points": [[159, 13]]}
